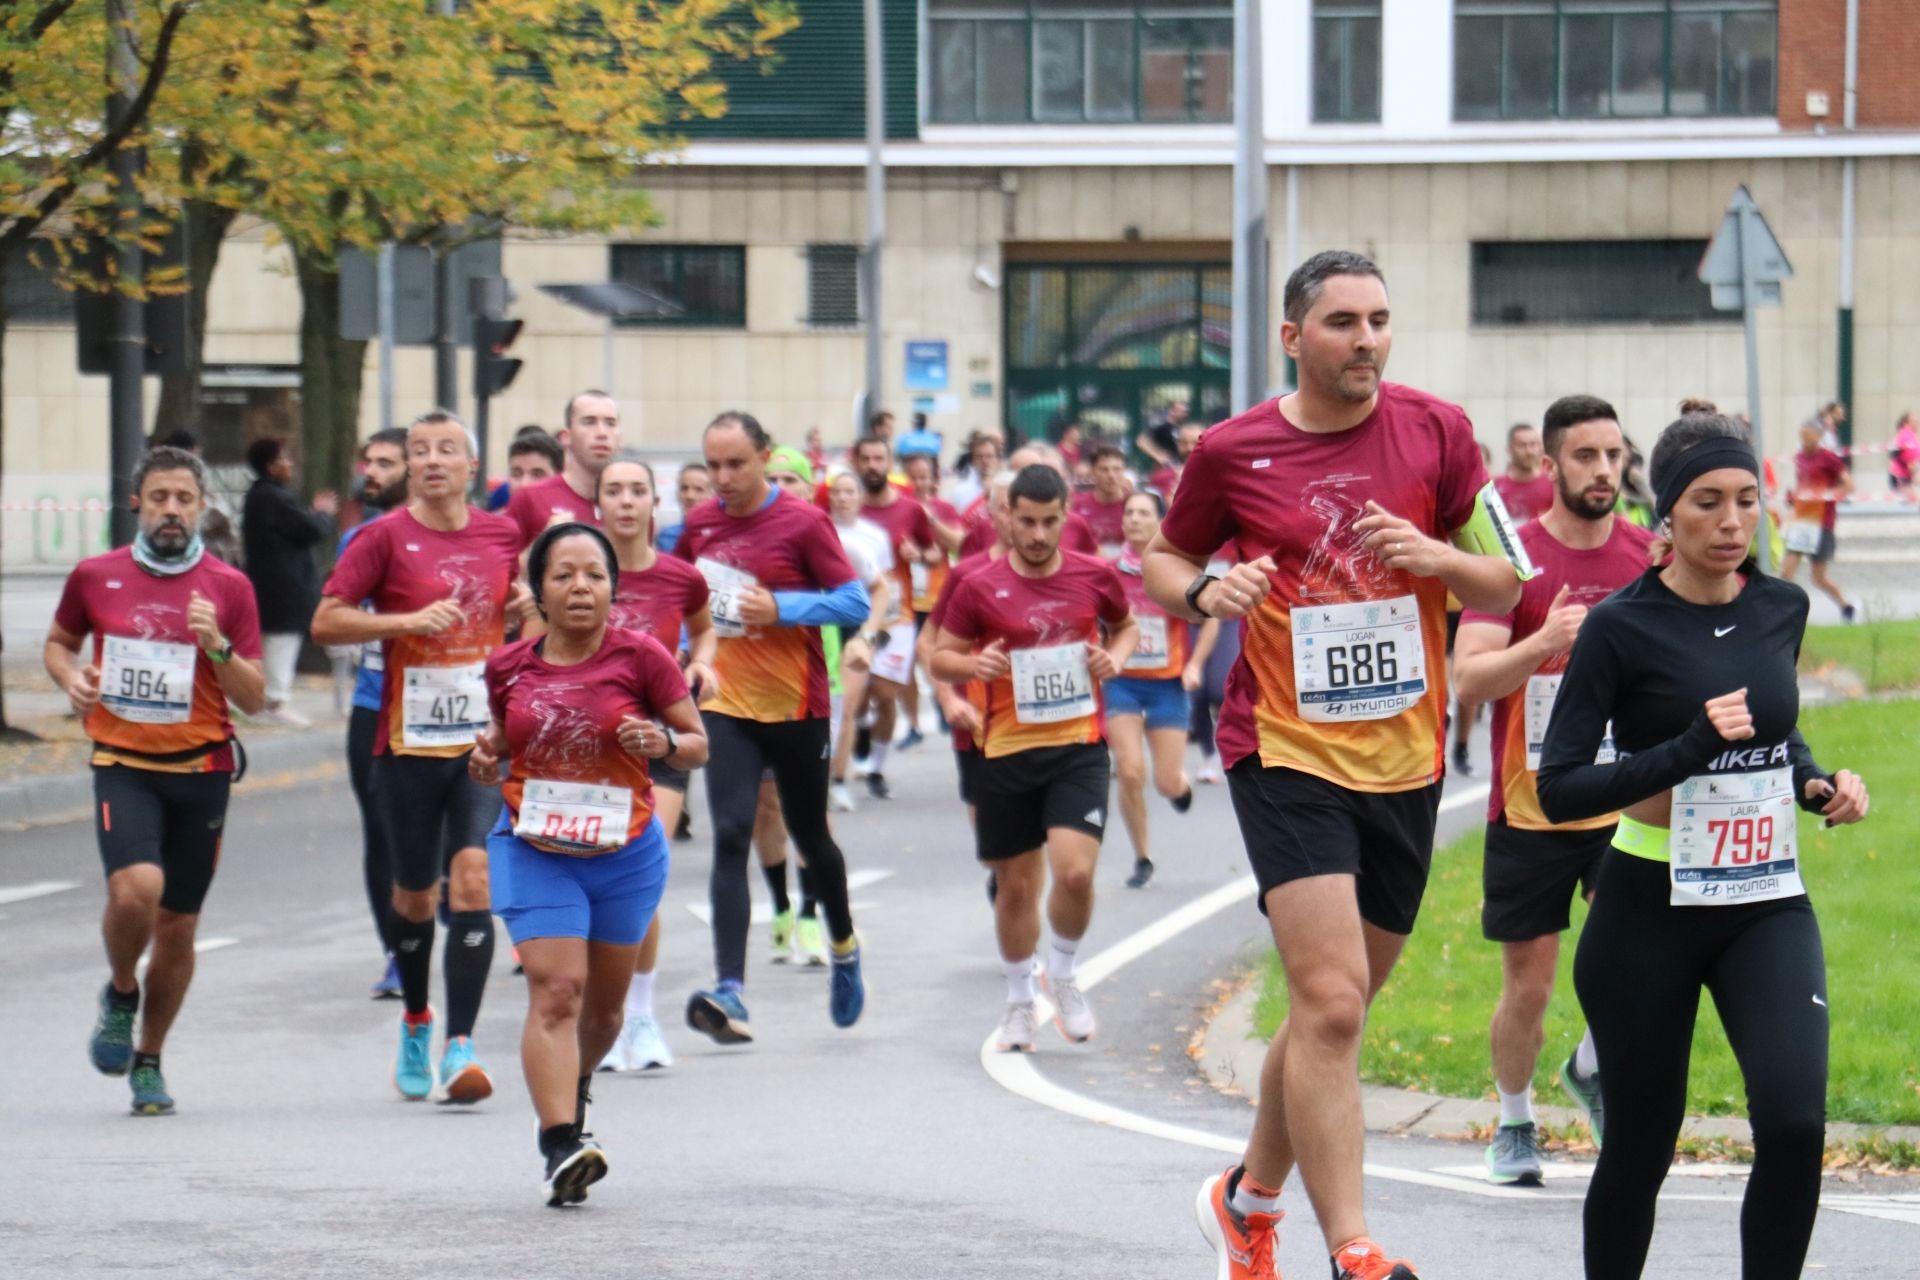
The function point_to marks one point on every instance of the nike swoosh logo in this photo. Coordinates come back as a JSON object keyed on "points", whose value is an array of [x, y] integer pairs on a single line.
{"points": [[1720, 631], [1822, 1003]]}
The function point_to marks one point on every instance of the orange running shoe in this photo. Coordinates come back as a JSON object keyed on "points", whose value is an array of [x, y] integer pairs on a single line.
{"points": [[1244, 1246], [1362, 1259]]}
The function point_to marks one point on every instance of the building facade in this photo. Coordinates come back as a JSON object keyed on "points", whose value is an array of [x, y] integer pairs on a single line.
{"points": [[1537, 178]]}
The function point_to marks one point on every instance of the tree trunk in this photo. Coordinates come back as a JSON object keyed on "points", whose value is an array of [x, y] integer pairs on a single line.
{"points": [[330, 375], [206, 226]]}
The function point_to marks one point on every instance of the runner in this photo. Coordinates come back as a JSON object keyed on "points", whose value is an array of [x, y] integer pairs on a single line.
{"points": [[532, 457], [1075, 534], [383, 464], [1820, 479], [1533, 868], [1524, 486], [1148, 703], [1332, 728], [438, 574], [1103, 507], [579, 714], [776, 571], [591, 437], [912, 541], [865, 544], [692, 488], [665, 598], [1693, 665], [1028, 628], [949, 531], [175, 636]]}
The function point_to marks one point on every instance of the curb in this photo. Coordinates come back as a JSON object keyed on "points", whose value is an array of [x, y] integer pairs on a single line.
{"points": [[1231, 1056], [68, 797]]}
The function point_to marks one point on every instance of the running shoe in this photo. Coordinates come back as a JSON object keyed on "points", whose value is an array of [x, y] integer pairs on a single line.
{"points": [[111, 1047], [1243, 1243], [877, 787], [1362, 1260], [150, 1096], [913, 739], [1586, 1092], [683, 828], [1073, 1016], [572, 1167], [1847, 613], [646, 1046], [1142, 873], [782, 931], [1184, 801], [618, 1058], [388, 988], [463, 1078], [847, 995], [413, 1073], [1514, 1155], [809, 942], [1462, 764], [720, 1014], [1017, 1028], [1209, 774], [839, 799]]}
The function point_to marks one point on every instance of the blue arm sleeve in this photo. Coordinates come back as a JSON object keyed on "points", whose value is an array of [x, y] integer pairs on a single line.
{"points": [[846, 605]]}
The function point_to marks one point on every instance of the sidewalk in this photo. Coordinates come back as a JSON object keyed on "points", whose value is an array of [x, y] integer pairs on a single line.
{"points": [[1230, 1055]]}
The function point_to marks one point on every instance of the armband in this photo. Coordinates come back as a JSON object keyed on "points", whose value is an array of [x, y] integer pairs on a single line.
{"points": [[1489, 531]]}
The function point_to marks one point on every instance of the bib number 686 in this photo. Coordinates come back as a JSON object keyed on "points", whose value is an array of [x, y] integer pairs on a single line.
{"points": [[1363, 664]]}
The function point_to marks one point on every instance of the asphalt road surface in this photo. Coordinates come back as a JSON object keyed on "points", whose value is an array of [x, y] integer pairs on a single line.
{"points": [[888, 1151]]}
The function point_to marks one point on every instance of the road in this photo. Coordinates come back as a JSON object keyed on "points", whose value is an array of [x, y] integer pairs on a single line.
{"points": [[888, 1151]]}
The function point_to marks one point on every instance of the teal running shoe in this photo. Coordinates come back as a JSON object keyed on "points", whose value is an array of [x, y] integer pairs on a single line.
{"points": [[463, 1077], [848, 995], [721, 1014], [1514, 1155], [413, 1072], [112, 1045], [1585, 1090], [150, 1096]]}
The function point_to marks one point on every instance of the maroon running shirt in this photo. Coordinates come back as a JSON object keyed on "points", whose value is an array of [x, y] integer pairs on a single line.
{"points": [[538, 505], [1104, 519], [658, 601], [1526, 499]]}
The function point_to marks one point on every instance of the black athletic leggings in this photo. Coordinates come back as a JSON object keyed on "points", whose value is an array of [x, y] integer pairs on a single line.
{"points": [[1639, 971], [739, 750], [376, 862]]}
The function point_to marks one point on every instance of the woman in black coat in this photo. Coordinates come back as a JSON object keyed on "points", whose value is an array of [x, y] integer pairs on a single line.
{"points": [[279, 536]]}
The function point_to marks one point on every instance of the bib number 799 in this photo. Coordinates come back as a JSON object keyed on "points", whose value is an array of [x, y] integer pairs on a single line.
{"points": [[1362, 664], [1741, 841]]}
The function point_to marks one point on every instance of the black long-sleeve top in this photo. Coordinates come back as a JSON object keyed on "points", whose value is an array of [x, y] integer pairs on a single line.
{"points": [[1648, 661]]}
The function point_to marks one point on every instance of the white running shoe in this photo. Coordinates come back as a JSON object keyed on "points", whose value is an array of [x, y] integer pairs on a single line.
{"points": [[861, 767], [1209, 774], [1073, 1016], [1016, 1029], [620, 1057], [839, 799], [646, 1047]]}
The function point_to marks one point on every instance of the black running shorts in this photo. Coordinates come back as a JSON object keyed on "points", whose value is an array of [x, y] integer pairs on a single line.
{"points": [[1023, 796], [1529, 879], [968, 763], [173, 820], [1296, 825], [432, 809]]}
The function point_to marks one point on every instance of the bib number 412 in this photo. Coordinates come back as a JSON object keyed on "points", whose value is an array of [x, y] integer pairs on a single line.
{"points": [[449, 708]]}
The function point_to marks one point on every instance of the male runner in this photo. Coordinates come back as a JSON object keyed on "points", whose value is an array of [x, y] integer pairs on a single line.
{"points": [[383, 467], [1104, 506], [911, 537], [1075, 533], [693, 488], [1514, 660], [777, 574], [1028, 627], [1346, 491], [438, 574], [1524, 486], [591, 437], [175, 636]]}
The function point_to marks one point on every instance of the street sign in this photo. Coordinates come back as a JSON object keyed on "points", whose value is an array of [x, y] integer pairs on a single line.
{"points": [[1744, 255]]}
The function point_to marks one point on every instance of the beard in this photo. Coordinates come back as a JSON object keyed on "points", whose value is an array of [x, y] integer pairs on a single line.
{"points": [[1581, 505], [170, 537], [873, 483], [384, 498]]}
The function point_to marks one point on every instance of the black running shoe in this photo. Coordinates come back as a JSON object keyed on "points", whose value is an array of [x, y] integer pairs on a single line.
{"points": [[1142, 873], [877, 787], [1182, 802], [683, 829], [572, 1167], [1461, 764]]}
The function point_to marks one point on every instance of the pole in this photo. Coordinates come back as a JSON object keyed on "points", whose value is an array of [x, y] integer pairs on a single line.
{"points": [[876, 210], [1250, 283], [384, 302], [1292, 377], [446, 343], [127, 366], [1750, 319], [1843, 391]]}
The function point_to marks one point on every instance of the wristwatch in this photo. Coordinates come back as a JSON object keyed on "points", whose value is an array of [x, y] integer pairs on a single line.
{"points": [[673, 744], [223, 655], [1194, 589]]}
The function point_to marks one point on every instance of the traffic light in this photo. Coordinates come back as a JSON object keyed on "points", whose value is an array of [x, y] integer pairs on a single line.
{"points": [[493, 370]]}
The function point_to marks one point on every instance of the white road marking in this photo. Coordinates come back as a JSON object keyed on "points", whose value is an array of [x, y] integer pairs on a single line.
{"points": [[36, 889], [200, 947], [1016, 1073], [702, 910]]}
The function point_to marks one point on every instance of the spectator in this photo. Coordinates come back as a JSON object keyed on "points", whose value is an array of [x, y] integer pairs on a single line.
{"points": [[216, 526], [279, 535], [1161, 441], [532, 457], [817, 453], [1166, 477], [1903, 458]]}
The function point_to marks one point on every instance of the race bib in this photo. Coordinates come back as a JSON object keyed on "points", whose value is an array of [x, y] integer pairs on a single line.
{"points": [[1362, 661], [1152, 653], [574, 817], [1802, 536], [444, 706], [1541, 692], [1734, 839], [1052, 684], [724, 585], [1111, 550], [921, 575], [373, 656], [147, 681]]}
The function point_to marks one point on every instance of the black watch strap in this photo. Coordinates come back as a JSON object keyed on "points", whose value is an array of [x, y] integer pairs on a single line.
{"points": [[1194, 589], [673, 743]]}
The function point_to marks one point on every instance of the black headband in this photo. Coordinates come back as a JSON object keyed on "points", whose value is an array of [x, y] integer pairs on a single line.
{"points": [[1715, 454]]}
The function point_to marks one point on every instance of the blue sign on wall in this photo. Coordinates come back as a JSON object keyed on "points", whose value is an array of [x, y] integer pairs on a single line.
{"points": [[927, 366]]}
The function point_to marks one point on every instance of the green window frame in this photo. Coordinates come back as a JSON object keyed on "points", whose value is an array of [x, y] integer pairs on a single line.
{"points": [[1055, 62], [1614, 59], [707, 281], [1346, 61]]}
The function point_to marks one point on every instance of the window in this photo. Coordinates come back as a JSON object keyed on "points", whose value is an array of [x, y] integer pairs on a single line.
{"points": [[707, 281], [1602, 59], [1346, 60], [1590, 282], [1080, 61], [31, 295], [833, 286]]}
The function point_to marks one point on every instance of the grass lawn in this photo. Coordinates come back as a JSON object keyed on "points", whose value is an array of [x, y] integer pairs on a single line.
{"points": [[1429, 1027], [1884, 654]]}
